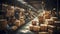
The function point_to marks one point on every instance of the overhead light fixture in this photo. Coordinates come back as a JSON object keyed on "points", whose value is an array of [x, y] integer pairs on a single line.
{"points": [[54, 8]]}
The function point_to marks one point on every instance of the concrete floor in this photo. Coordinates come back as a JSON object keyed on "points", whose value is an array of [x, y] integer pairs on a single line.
{"points": [[25, 29]]}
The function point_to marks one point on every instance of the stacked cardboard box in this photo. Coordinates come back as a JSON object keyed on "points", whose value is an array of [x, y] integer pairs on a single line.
{"points": [[43, 27], [34, 23], [35, 28], [47, 15], [41, 19]]}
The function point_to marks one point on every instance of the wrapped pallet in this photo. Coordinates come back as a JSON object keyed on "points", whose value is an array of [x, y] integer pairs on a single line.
{"points": [[34, 23], [43, 27], [36, 28]]}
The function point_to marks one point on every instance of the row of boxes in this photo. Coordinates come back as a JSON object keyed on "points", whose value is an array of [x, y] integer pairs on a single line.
{"points": [[13, 23], [42, 28]]}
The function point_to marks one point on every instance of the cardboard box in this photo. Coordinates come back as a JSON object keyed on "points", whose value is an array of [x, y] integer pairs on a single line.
{"points": [[36, 28], [43, 27], [34, 23]]}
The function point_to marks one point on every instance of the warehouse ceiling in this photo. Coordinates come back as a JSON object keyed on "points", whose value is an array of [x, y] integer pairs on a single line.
{"points": [[34, 3], [49, 4]]}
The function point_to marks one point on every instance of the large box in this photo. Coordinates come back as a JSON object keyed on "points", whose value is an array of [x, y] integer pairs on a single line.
{"points": [[31, 28], [41, 19], [43, 27], [47, 15], [36, 28], [34, 23]]}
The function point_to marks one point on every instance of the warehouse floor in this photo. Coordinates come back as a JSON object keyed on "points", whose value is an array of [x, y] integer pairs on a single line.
{"points": [[25, 28]]}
